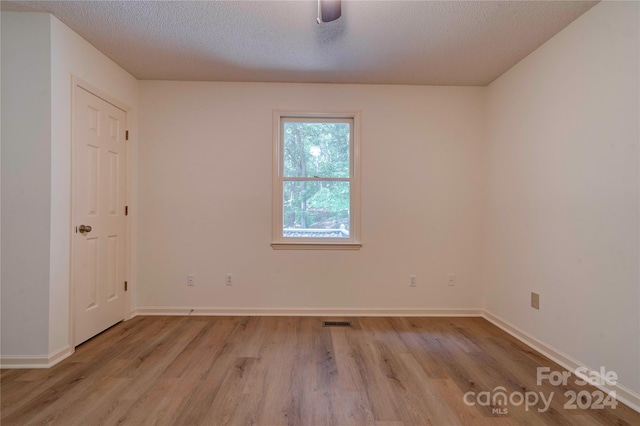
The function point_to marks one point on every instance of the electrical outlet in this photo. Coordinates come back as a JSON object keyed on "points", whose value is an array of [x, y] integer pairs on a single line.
{"points": [[412, 280], [191, 280], [535, 300], [229, 279], [451, 280]]}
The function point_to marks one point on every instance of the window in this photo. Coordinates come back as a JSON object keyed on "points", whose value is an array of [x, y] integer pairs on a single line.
{"points": [[316, 185]]}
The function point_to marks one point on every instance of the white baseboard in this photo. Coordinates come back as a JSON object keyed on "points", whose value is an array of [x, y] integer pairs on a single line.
{"points": [[325, 312], [30, 361], [622, 394]]}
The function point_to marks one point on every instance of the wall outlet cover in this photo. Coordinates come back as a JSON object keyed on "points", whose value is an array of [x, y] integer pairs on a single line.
{"points": [[535, 300]]}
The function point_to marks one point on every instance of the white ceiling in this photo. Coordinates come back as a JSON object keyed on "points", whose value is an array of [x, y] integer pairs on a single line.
{"points": [[391, 42]]}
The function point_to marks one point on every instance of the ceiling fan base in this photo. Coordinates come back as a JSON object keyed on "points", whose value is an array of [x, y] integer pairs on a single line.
{"points": [[329, 10]]}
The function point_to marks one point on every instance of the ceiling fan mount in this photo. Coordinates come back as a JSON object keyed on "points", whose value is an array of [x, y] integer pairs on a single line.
{"points": [[329, 10]]}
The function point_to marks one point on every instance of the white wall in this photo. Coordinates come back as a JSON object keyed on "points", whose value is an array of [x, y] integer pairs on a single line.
{"points": [[563, 191], [26, 194], [39, 55], [205, 198]]}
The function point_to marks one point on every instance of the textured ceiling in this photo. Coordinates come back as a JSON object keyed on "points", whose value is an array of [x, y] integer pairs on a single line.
{"points": [[392, 42]]}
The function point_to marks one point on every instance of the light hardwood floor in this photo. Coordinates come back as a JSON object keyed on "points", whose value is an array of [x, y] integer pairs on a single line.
{"points": [[292, 371]]}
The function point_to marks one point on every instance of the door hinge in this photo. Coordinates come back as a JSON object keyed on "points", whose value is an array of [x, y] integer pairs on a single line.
{"points": [[126, 135], [126, 210], [126, 286]]}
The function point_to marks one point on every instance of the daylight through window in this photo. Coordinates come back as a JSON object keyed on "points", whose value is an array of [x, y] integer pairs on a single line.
{"points": [[316, 189]]}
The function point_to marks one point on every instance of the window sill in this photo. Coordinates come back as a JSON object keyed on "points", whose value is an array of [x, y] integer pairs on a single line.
{"points": [[316, 246]]}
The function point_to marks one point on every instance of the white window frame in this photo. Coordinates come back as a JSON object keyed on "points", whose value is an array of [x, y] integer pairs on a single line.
{"points": [[280, 242]]}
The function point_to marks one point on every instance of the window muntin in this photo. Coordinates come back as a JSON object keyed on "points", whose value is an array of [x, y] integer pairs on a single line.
{"points": [[316, 188]]}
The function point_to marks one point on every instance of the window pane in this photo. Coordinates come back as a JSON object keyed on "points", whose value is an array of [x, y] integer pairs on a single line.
{"points": [[316, 209], [316, 149]]}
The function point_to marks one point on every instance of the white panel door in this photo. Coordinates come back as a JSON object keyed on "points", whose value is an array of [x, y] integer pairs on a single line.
{"points": [[99, 189]]}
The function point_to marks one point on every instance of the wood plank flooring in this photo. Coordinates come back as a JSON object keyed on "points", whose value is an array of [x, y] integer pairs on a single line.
{"points": [[292, 371]]}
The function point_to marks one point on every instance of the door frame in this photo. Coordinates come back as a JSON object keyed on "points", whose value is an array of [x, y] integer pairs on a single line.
{"points": [[79, 84]]}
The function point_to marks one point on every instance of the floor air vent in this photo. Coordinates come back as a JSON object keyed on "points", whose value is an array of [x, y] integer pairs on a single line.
{"points": [[336, 324]]}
